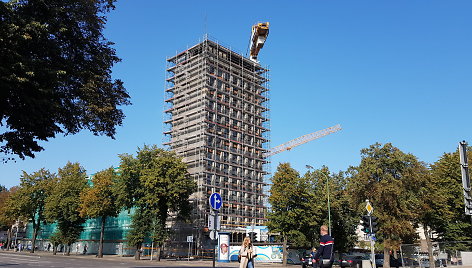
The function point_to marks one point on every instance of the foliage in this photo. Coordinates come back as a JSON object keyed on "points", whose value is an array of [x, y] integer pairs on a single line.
{"points": [[6, 219], [344, 219], [55, 73], [449, 220], [139, 228], [99, 199], [293, 211], [156, 181], [63, 204], [29, 201], [391, 180]]}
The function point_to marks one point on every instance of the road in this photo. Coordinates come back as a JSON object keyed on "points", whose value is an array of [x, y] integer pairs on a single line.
{"points": [[27, 260]]}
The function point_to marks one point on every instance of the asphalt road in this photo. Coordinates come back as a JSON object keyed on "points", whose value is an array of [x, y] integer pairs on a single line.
{"points": [[15, 260]]}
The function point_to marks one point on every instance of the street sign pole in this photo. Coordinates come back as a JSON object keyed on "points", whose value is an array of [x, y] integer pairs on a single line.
{"points": [[370, 209], [215, 203], [214, 246]]}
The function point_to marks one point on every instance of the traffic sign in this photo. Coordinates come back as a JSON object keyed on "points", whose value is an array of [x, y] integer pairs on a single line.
{"points": [[190, 239], [369, 207], [215, 201], [212, 225], [213, 235]]}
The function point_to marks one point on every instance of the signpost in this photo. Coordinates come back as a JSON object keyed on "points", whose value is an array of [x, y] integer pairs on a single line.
{"points": [[214, 225], [190, 241], [372, 238]]}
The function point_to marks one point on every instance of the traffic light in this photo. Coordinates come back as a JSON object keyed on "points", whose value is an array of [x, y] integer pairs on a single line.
{"points": [[253, 236], [366, 224], [374, 223]]}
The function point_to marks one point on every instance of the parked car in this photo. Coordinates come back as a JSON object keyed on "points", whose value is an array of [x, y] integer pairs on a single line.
{"points": [[379, 261], [306, 261], [351, 260]]}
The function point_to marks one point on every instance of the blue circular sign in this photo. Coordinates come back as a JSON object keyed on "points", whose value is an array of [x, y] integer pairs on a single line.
{"points": [[215, 201]]}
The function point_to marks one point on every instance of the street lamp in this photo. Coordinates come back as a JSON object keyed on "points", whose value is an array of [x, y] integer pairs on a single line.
{"points": [[329, 206]]}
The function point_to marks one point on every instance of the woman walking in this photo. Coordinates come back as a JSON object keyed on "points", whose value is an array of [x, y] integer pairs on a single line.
{"points": [[247, 254]]}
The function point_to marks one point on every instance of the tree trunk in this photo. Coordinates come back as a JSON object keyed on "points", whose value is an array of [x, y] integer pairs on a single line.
{"points": [[35, 233], [427, 234], [137, 254], [8, 239], [102, 234], [158, 251], [284, 251], [54, 249], [68, 249], [386, 263]]}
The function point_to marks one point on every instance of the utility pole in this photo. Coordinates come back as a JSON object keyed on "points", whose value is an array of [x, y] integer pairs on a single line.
{"points": [[465, 178], [329, 205]]}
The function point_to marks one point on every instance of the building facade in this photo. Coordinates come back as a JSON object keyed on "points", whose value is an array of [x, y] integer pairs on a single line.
{"points": [[216, 118]]}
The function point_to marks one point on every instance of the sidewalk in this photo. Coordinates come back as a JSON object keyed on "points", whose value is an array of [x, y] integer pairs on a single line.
{"points": [[144, 261]]}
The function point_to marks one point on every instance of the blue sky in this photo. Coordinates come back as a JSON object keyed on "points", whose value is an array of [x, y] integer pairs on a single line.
{"points": [[387, 71]]}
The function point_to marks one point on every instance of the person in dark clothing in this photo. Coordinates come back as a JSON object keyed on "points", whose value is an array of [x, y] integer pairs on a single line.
{"points": [[314, 261], [325, 251]]}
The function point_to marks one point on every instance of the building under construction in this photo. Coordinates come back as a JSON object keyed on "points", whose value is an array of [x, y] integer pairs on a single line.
{"points": [[216, 118]]}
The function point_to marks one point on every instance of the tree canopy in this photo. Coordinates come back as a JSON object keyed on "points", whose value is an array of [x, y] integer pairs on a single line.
{"points": [[28, 202], [62, 205], [99, 200], [156, 182], [293, 211], [449, 221], [55, 73], [391, 180]]}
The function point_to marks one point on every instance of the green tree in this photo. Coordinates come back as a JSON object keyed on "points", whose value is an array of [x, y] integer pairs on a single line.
{"points": [[55, 72], [139, 230], [62, 205], [6, 219], [158, 184], [29, 200], [99, 201], [391, 180], [293, 211], [344, 218], [448, 217]]}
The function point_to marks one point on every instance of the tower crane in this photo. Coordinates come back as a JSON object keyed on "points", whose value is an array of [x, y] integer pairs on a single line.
{"points": [[259, 34], [301, 140]]}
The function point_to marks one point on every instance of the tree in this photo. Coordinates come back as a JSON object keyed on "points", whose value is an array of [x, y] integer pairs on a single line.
{"points": [[6, 219], [55, 75], [140, 229], [158, 184], [391, 180], [29, 200], [293, 211], [448, 219], [99, 201], [62, 205], [344, 218]]}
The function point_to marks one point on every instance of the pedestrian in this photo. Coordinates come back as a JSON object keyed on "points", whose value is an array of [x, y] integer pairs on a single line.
{"points": [[49, 246], [314, 261], [85, 249], [325, 251], [247, 254]]}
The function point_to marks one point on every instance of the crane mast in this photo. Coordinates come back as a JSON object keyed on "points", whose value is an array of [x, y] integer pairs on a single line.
{"points": [[303, 139], [259, 34]]}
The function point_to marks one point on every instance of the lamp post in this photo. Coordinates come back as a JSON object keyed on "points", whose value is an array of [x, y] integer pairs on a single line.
{"points": [[329, 206]]}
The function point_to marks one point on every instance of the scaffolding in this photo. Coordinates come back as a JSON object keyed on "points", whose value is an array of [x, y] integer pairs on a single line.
{"points": [[217, 119]]}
